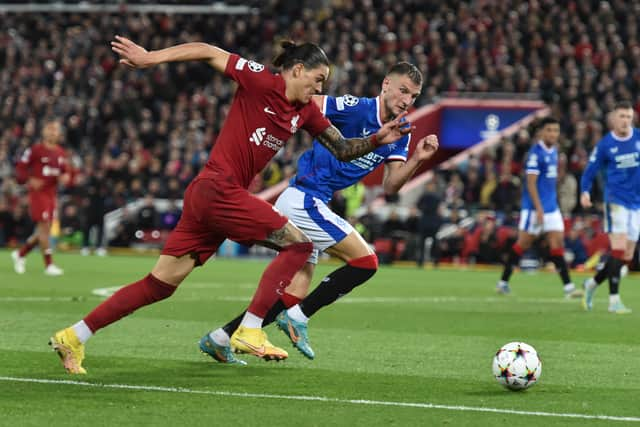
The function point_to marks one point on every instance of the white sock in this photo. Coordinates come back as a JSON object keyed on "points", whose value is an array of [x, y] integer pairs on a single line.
{"points": [[296, 314], [82, 331], [250, 320], [590, 283], [220, 337], [614, 299], [502, 283], [569, 287]]}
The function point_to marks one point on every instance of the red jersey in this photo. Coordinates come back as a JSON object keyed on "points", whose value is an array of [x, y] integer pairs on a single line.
{"points": [[261, 119], [44, 163]]}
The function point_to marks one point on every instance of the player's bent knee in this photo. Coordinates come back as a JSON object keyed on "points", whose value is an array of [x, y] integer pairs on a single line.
{"points": [[368, 262], [299, 248]]}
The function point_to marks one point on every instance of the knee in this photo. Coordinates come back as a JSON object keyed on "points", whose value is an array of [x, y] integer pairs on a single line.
{"points": [[300, 248], [368, 262]]}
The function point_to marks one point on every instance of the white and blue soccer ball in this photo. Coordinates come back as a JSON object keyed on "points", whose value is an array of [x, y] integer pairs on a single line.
{"points": [[517, 366]]}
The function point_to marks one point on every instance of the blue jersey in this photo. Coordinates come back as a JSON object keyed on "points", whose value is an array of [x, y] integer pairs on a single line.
{"points": [[621, 160], [320, 174], [542, 161]]}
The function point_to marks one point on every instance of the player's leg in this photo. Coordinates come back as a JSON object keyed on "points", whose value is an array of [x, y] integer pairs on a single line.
{"points": [[361, 265], [161, 283], [217, 342], [527, 231], [617, 221], [556, 255], [554, 226], [294, 249], [19, 255], [44, 233], [39, 212], [187, 246]]}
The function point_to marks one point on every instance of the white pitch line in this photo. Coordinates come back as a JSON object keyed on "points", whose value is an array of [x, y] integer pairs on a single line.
{"points": [[322, 399], [105, 292]]}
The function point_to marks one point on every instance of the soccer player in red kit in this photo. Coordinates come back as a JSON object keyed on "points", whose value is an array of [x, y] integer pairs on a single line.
{"points": [[266, 110], [40, 168]]}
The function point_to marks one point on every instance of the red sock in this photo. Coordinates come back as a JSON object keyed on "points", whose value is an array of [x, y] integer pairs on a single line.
{"points": [[127, 300], [277, 277], [26, 248], [289, 300], [47, 257]]}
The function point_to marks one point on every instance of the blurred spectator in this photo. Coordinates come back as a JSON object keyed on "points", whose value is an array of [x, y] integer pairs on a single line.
{"points": [[567, 187], [353, 196], [70, 226], [429, 205], [505, 197], [169, 218], [574, 247], [147, 215], [488, 251]]}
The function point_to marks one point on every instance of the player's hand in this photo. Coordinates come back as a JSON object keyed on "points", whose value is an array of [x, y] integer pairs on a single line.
{"points": [[585, 200], [394, 130], [65, 179], [35, 183], [539, 216], [133, 55], [426, 147]]}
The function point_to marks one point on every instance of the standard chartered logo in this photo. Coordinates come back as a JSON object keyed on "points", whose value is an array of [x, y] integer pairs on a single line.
{"points": [[258, 135]]}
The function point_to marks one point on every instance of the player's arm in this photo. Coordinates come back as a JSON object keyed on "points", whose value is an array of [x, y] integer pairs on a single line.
{"points": [[397, 173], [136, 56], [22, 167], [589, 174], [532, 187], [347, 149]]}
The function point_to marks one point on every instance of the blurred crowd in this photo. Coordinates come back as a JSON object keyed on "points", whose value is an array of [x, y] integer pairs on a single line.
{"points": [[131, 134]]}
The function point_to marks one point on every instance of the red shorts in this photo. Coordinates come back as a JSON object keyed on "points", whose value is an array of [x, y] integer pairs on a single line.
{"points": [[42, 206], [214, 211]]}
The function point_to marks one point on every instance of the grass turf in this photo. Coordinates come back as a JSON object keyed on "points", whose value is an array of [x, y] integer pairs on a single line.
{"points": [[408, 336]]}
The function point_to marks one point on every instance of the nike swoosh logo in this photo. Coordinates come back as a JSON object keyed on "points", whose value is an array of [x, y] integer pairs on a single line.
{"points": [[260, 351], [292, 333], [268, 110]]}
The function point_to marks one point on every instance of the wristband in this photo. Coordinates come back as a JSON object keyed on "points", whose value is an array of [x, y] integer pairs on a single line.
{"points": [[374, 140]]}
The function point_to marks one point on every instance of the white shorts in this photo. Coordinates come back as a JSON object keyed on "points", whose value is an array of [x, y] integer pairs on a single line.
{"points": [[324, 227], [618, 219], [552, 222]]}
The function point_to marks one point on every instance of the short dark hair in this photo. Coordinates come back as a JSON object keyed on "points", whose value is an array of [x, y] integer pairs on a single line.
{"points": [[623, 105], [548, 121], [308, 54], [407, 69]]}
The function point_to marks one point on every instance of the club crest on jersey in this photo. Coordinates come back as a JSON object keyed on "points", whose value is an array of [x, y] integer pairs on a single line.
{"points": [[294, 123], [255, 66], [350, 100]]}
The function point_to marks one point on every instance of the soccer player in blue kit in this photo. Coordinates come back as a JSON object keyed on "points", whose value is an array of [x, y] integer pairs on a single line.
{"points": [[305, 201], [540, 212], [618, 153]]}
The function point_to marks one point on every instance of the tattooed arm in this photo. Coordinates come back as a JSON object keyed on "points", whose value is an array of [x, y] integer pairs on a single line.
{"points": [[347, 149]]}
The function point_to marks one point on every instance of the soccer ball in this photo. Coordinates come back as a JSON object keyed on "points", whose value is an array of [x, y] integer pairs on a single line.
{"points": [[517, 366]]}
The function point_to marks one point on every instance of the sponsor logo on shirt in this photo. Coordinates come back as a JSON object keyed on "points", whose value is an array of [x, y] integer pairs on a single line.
{"points": [[629, 160], [260, 137]]}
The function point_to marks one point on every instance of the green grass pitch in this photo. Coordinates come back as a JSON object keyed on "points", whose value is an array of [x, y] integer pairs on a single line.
{"points": [[411, 347]]}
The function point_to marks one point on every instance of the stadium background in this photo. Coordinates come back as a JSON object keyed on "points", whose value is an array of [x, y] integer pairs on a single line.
{"points": [[139, 136]]}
